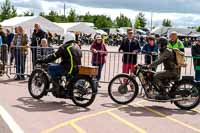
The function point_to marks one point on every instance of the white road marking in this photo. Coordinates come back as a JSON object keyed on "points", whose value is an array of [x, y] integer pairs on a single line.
{"points": [[14, 127]]}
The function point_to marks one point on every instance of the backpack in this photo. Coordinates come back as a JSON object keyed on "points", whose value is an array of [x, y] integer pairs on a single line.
{"points": [[180, 58]]}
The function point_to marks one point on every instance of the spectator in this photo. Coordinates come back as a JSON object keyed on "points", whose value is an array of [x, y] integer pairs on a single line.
{"points": [[151, 51], [132, 46], [1, 42], [37, 36], [99, 51], [4, 53], [20, 43], [196, 59], [3, 35], [175, 42], [10, 37], [45, 49], [50, 38], [142, 41]]}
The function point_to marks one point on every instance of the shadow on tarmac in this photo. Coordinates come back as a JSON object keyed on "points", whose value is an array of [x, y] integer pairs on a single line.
{"points": [[13, 80], [103, 94], [33, 105], [141, 111], [7, 81]]}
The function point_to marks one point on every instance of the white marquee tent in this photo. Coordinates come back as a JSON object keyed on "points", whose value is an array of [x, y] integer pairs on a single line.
{"points": [[83, 27], [28, 24]]}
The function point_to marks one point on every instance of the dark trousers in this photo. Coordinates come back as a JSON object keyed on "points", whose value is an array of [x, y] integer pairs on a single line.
{"points": [[20, 60], [12, 55], [4, 53], [161, 77], [34, 55], [99, 70], [197, 75]]}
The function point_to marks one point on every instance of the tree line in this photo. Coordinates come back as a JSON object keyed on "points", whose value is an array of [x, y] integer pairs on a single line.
{"points": [[7, 10]]}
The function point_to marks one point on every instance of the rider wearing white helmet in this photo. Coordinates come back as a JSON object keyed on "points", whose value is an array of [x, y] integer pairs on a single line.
{"points": [[70, 55]]}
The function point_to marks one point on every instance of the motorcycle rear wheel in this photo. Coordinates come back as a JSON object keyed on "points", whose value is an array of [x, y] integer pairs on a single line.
{"points": [[83, 92], [194, 92]]}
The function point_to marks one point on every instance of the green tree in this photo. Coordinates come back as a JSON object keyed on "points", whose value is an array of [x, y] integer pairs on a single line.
{"points": [[102, 21], [167, 23], [7, 10], [28, 13], [123, 21], [88, 18], [140, 21], [52, 16], [198, 29], [72, 17], [42, 14]]}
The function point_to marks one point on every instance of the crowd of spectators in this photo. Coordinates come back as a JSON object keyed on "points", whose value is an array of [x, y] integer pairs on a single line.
{"points": [[17, 44]]}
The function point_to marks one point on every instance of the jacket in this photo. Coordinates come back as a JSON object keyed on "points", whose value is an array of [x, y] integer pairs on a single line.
{"points": [[70, 55], [125, 47], [10, 39], [37, 35], [99, 58], [196, 53], [3, 36], [167, 57], [147, 50], [24, 43], [178, 44]]}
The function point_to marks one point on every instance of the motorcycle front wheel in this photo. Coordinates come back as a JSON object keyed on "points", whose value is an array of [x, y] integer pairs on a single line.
{"points": [[191, 98], [123, 89], [38, 84], [83, 92]]}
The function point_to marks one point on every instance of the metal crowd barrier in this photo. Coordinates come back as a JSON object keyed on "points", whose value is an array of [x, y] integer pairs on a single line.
{"points": [[112, 67]]}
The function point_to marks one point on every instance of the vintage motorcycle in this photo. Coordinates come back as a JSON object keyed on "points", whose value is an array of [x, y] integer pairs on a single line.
{"points": [[183, 92], [81, 89]]}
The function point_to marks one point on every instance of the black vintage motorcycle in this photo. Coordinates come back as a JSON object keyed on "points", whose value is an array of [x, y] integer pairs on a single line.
{"points": [[81, 89], [184, 92]]}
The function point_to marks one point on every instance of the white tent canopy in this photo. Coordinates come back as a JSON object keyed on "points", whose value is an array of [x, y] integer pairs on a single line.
{"points": [[101, 32], [77, 27], [28, 24]]}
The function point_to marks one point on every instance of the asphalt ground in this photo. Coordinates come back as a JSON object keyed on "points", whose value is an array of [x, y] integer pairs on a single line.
{"points": [[4, 127], [51, 115], [21, 113]]}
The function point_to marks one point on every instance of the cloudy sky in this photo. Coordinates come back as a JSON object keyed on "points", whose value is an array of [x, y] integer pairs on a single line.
{"points": [[181, 12]]}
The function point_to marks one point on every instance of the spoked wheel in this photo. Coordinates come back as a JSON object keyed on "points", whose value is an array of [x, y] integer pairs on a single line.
{"points": [[38, 84], [123, 89], [84, 92], [191, 97]]}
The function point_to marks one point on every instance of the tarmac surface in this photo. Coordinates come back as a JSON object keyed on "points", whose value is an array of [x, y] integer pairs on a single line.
{"points": [[51, 115], [23, 114]]}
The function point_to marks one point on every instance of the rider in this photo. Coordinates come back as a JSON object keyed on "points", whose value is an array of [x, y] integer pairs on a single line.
{"points": [[167, 57], [70, 54]]}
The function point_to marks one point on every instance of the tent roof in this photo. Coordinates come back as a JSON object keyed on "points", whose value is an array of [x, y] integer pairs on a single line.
{"points": [[16, 21], [66, 25], [168, 30], [28, 24], [77, 27]]}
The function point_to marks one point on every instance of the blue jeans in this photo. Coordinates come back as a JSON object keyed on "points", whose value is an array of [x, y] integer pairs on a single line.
{"points": [[197, 75], [55, 70], [20, 59], [100, 70]]}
